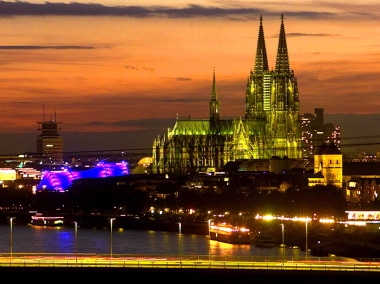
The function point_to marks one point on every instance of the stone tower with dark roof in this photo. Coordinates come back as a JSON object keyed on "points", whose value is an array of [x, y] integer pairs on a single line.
{"points": [[328, 160]]}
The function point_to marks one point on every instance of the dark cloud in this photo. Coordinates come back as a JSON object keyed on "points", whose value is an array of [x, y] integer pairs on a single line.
{"points": [[177, 78], [44, 47], [184, 100], [131, 67], [155, 123], [304, 34], [147, 69], [91, 9]]}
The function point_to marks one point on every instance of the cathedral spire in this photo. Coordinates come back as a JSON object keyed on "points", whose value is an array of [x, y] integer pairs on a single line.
{"points": [[214, 96], [282, 59], [261, 61], [214, 103]]}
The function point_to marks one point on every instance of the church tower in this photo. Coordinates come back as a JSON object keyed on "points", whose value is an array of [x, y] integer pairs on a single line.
{"points": [[258, 86], [284, 117], [328, 160], [214, 103], [271, 125]]}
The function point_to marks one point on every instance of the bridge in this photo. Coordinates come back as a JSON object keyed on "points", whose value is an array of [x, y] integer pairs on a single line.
{"points": [[314, 270]]}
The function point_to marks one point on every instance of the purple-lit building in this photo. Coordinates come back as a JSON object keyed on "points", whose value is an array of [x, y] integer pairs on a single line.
{"points": [[60, 180]]}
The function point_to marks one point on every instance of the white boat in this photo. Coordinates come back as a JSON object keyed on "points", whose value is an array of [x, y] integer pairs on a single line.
{"points": [[41, 220], [227, 233]]}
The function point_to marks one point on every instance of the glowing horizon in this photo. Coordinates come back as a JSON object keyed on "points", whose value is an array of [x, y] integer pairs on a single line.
{"points": [[111, 66]]}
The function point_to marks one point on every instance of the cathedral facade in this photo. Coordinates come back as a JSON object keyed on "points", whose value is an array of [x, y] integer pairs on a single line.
{"points": [[271, 125]]}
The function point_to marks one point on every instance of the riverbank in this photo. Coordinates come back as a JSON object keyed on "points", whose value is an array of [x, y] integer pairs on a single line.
{"points": [[358, 244]]}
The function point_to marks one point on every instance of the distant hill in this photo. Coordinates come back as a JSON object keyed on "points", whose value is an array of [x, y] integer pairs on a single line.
{"points": [[360, 132]]}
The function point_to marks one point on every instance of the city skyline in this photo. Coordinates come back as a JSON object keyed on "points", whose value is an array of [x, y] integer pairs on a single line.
{"points": [[111, 67]]}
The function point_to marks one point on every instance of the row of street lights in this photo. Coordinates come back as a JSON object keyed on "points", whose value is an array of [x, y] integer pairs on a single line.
{"points": [[76, 237], [180, 241], [75, 233]]}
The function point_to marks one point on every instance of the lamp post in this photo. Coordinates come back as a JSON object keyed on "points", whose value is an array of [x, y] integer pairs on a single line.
{"points": [[306, 239], [283, 244], [111, 221], [76, 243], [179, 243], [209, 240], [11, 235]]}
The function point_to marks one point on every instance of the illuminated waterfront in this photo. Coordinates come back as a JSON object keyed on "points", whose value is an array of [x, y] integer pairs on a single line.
{"points": [[73, 251], [34, 239]]}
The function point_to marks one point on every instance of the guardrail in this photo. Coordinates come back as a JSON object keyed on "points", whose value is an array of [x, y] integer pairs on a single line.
{"points": [[192, 264], [247, 258], [133, 261]]}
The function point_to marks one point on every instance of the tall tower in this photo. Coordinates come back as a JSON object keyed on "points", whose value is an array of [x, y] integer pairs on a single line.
{"points": [[257, 98], [50, 142], [271, 125], [214, 103]]}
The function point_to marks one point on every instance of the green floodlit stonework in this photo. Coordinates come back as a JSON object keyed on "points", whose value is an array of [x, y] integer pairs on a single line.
{"points": [[271, 125]]}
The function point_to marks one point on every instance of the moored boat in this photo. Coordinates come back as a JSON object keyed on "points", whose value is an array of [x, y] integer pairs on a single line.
{"points": [[41, 220], [264, 240], [227, 233]]}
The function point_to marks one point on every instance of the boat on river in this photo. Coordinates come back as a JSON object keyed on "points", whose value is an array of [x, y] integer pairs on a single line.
{"points": [[264, 241], [41, 220], [227, 233]]}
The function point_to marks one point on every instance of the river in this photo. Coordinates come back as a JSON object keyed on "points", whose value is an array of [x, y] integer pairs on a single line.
{"points": [[25, 238]]}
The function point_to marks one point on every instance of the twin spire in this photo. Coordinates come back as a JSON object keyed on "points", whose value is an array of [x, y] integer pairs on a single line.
{"points": [[282, 59], [261, 66]]}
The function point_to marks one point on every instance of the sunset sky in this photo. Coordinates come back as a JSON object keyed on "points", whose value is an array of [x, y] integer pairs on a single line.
{"points": [[108, 65]]}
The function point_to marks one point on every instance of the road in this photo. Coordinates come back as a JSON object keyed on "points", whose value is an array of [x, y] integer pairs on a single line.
{"points": [[187, 262], [45, 269]]}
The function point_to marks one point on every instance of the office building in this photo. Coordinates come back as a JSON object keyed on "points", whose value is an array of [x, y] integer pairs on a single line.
{"points": [[315, 132], [49, 141]]}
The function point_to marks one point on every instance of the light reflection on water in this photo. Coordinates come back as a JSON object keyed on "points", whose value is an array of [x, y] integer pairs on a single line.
{"points": [[34, 239], [225, 249]]}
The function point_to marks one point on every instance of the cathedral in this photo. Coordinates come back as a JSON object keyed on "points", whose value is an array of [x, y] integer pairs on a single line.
{"points": [[271, 126]]}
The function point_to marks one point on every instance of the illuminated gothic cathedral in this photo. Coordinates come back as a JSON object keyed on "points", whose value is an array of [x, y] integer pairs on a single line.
{"points": [[271, 125]]}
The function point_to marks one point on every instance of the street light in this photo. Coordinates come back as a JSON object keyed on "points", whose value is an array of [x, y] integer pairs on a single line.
{"points": [[179, 243], [306, 239], [283, 244], [111, 220], [76, 243], [209, 240], [11, 234]]}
